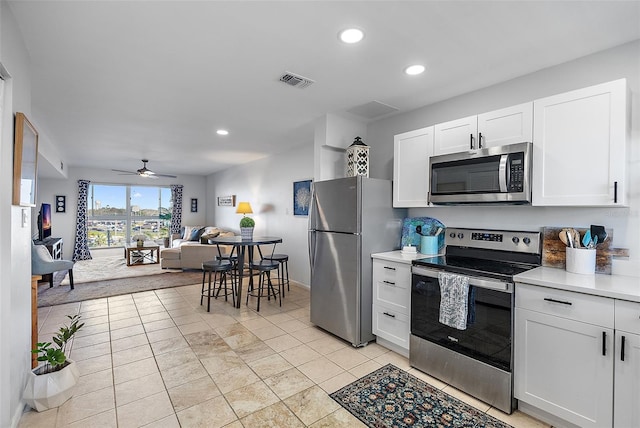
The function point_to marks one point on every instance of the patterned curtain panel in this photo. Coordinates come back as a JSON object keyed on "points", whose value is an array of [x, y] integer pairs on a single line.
{"points": [[176, 212], [81, 247]]}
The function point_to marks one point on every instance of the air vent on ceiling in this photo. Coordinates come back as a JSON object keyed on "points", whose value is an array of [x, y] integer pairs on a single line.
{"points": [[296, 80]]}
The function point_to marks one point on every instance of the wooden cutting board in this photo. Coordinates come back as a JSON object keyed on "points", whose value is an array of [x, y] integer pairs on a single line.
{"points": [[553, 250]]}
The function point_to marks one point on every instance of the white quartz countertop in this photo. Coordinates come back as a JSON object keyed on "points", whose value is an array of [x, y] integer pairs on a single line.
{"points": [[614, 286], [398, 256]]}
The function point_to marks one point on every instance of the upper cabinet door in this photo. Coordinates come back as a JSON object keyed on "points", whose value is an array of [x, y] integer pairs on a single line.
{"points": [[506, 126], [411, 151], [456, 136], [579, 147]]}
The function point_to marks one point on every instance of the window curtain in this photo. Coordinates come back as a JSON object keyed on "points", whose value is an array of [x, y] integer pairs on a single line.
{"points": [[81, 247], [176, 212]]}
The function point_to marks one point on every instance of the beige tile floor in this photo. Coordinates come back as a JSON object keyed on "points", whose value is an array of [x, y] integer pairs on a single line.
{"points": [[158, 359]]}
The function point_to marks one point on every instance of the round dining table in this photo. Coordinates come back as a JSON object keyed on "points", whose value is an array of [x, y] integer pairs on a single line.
{"points": [[241, 246]]}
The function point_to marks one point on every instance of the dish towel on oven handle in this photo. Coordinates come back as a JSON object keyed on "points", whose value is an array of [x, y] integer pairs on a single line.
{"points": [[454, 298]]}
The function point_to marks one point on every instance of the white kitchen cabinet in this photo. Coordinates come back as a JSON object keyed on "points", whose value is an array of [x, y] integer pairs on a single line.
{"points": [[495, 128], [626, 411], [456, 135], [579, 147], [564, 354], [392, 302], [509, 125], [411, 151]]}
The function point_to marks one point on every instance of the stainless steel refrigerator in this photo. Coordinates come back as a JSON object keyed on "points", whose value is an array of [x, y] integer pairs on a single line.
{"points": [[349, 219]]}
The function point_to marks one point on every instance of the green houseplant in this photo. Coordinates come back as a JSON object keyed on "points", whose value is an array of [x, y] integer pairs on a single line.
{"points": [[52, 383], [246, 227]]}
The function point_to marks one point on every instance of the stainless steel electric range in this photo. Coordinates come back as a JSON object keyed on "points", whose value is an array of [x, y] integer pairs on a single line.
{"points": [[479, 358]]}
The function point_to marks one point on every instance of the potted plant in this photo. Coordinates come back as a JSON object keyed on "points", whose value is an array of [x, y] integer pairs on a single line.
{"points": [[52, 383], [246, 227]]}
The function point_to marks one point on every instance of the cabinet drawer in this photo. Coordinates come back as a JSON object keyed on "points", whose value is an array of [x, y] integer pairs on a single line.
{"points": [[391, 325], [392, 285], [567, 304], [628, 316]]}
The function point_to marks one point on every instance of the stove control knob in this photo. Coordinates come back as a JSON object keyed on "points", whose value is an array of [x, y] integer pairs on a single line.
{"points": [[527, 241], [460, 235], [452, 235], [515, 240]]}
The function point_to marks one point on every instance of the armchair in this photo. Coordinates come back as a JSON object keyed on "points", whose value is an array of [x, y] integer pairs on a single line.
{"points": [[43, 264]]}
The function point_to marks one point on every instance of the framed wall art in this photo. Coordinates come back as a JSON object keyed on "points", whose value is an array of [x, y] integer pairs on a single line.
{"points": [[301, 197], [227, 201], [25, 162], [61, 203], [194, 205]]}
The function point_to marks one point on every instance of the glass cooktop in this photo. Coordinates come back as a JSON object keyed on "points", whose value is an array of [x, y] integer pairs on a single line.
{"points": [[474, 266]]}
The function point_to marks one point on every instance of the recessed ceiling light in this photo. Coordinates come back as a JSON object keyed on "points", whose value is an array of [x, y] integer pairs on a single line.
{"points": [[413, 70], [351, 35], [222, 132]]}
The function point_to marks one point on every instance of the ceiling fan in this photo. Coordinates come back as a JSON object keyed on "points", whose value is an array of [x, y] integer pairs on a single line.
{"points": [[144, 172]]}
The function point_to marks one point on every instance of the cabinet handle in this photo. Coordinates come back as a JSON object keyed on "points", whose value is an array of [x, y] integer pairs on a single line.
{"points": [[479, 140], [471, 141], [548, 299], [389, 282], [622, 349], [389, 315], [615, 192], [390, 268], [604, 343]]}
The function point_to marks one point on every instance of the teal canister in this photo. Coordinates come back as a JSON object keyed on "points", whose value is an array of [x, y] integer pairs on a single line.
{"points": [[429, 245]]}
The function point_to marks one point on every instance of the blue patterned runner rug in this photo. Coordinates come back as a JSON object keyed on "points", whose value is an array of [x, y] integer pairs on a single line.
{"points": [[391, 397]]}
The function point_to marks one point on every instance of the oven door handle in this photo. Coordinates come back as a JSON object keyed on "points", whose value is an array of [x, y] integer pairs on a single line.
{"points": [[474, 281]]}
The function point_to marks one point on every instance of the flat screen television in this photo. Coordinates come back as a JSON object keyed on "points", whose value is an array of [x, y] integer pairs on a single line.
{"points": [[44, 222]]}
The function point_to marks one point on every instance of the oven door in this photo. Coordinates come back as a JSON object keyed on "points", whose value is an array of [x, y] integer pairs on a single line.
{"points": [[487, 337]]}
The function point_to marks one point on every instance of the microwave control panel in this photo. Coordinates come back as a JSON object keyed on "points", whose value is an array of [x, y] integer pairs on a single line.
{"points": [[516, 172]]}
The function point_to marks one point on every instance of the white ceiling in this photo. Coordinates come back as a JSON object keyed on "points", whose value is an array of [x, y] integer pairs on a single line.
{"points": [[117, 81]]}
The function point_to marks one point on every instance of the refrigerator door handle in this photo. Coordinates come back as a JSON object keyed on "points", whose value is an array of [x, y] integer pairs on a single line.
{"points": [[312, 249]]}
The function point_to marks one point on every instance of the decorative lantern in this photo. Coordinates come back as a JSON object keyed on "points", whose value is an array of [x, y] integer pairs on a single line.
{"points": [[358, 158]]}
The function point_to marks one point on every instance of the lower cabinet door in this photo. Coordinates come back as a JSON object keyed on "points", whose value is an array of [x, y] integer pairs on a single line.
{"points": [[391, 325], [565, 367], [627, 380]]}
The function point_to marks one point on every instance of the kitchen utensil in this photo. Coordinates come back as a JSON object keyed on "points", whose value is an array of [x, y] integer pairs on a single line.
{"points": [[586, 239], [598, 231], [575, 238], [439, 231]]}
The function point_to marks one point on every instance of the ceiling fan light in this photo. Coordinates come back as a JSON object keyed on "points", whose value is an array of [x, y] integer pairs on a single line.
{"points": [[222, 132]]}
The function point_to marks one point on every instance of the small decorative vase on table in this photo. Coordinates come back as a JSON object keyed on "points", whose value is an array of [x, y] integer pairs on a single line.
{"points": [[140, 242]]}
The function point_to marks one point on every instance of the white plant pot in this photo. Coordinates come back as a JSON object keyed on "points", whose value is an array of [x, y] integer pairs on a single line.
{"points": [[246, 233], [50, 390]]}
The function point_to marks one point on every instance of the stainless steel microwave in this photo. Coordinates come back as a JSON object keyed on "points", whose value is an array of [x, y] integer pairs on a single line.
{"points": [[486, 176]]}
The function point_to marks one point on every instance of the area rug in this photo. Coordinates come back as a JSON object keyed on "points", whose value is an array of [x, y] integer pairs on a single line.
{"points": [[110, 267], [391, 397], [113, 287]]}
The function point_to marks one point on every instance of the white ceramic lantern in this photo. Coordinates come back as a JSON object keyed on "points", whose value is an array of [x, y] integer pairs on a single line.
{"points": [[358, 158]]}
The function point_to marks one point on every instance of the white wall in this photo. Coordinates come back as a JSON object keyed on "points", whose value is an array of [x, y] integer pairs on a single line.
{"points": [[15, 280], [623, 61], [268, 185], [63, 224]]}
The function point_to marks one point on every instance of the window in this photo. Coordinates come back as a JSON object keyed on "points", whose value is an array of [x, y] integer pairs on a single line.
{"points": [[118, 212]]}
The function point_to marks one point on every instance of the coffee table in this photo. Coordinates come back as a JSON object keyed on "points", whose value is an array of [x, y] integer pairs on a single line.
{"points": [[148, 253]]}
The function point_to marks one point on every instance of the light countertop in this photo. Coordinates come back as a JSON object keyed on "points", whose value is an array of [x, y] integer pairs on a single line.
{"points": [[614, 286], [399, 256]]}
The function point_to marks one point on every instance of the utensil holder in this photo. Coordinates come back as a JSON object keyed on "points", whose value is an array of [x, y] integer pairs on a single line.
{"points": [[581, 260], [429, 245]]}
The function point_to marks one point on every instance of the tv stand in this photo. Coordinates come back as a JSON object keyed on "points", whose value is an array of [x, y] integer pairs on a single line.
{"points": [[54, 245]]}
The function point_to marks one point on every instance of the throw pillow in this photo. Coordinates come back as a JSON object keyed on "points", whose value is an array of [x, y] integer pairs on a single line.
{"points": [[186, 231], [195, 233]]}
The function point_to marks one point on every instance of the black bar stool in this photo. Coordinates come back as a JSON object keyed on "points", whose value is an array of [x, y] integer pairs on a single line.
{"points": [[220, 268], [283, 269], [264, 267]]}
